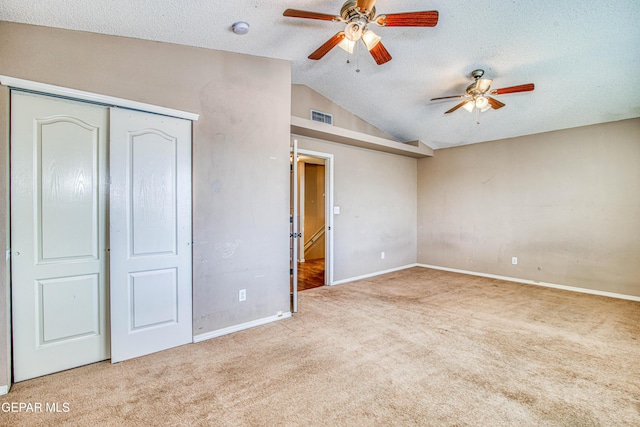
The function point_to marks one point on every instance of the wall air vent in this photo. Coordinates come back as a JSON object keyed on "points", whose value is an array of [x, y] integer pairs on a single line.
{"points": [[319, 116]]}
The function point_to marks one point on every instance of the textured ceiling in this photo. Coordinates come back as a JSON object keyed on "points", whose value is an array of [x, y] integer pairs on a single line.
{"points": [[583, 56]]}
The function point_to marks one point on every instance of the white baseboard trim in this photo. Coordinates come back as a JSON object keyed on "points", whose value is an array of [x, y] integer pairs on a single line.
{"points": [[4, 389], [240, 327], [532, 282], [377, 273]]}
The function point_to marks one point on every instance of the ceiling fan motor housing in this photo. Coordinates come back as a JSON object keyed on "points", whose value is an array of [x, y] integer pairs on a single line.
{"points": [[472, 90], [351, 11]]}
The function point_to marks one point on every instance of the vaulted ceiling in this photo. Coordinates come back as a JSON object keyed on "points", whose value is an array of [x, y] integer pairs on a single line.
{"points": [[582, 56]]}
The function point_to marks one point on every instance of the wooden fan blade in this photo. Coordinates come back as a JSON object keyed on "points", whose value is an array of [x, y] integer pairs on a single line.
{"points": [[329, 44], [495, 104], [380, 54], [456, 107], [409, 19], [294, 13], [365, 5], [513, 89], [448, 97]]}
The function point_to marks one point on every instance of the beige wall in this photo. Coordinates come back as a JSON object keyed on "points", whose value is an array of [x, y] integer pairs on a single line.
{"points": [[566, 203], [376, 193], [240, 154], [305, 99]]}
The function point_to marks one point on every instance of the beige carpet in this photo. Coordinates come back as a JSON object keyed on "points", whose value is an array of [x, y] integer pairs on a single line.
{"points": [[415, 347]]}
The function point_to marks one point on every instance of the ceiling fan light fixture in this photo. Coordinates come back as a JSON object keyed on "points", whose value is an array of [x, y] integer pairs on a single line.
{"points": [[354, 30], [481, 102], [483, 85], [468, 105], [370, 39], [475, 94], [347, 45], [357, 15]]}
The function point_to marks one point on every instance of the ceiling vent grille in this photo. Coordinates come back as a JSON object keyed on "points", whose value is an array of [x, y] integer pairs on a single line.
{"points": [[319, 116]]}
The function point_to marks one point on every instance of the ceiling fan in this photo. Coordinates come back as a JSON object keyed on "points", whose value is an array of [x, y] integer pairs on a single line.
{"points": [[476, 96], [358, 14]]}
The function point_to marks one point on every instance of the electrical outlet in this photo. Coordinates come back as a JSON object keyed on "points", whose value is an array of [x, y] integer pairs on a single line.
{"points": [[514, 260], [382, 255], [242, 295]]}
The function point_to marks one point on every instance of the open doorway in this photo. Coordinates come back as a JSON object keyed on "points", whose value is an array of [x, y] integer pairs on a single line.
{"points": [[311, 221]]}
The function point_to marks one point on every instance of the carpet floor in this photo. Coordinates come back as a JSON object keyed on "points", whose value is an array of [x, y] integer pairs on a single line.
{"points": [[413, 347]]}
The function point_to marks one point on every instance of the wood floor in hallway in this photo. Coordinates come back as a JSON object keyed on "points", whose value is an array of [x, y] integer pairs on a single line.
{"points": [[310, 274]]}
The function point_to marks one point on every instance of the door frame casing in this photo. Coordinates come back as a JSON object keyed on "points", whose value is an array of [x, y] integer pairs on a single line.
{"points": [[328, 205]]}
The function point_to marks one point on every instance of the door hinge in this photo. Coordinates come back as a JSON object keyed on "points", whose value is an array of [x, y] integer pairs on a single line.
{"points": [[295, 235]]}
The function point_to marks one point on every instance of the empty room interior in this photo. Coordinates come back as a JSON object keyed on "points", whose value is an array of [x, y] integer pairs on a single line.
{"points": [[257, 213]]}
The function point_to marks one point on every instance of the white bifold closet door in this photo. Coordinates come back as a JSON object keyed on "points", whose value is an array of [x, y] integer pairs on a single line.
{"points": [[59, 259], [100, 233], [150, 231]]}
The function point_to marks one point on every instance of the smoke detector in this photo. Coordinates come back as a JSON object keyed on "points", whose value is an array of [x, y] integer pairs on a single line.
{"points": [[240, 28]]}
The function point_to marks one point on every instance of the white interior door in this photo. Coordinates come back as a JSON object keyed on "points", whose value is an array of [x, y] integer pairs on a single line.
{"points": [[150, 231], [58, 241], [295, 235]]}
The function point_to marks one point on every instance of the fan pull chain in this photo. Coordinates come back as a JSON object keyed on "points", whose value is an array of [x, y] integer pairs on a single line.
{"points": [[356, 53]]}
